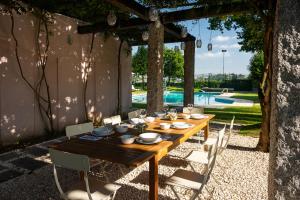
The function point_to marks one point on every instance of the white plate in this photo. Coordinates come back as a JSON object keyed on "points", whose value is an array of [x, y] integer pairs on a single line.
{"points": [[181, 125], [102, 131], [197, 116], [136, 121], [139, 140]]}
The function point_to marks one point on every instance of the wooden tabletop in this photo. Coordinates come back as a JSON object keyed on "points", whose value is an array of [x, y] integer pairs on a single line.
{"points": [[132, 155]]}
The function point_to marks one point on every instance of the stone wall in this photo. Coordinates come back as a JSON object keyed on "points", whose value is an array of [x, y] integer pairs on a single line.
{"points": [[67, 58], [284, 175]]}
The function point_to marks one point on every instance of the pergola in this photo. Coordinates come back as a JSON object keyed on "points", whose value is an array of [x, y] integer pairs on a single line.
{"points": [[284, 153], [131, 29]]}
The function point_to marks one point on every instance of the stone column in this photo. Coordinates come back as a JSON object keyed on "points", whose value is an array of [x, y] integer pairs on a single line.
{"points": [[189, 72], [155, 68], [284, 173]]}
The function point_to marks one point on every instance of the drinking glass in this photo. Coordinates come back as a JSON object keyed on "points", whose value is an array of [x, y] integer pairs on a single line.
{"points": [[190, 107], [143, 114]]}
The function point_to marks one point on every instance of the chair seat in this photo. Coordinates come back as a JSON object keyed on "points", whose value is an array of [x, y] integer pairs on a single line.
{"points": [[98, 190], [212, 141], [186, 179], [198, 156]]}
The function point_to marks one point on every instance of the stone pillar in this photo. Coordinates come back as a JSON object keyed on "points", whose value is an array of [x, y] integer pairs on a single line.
{"points": [[284, 173], [189, 72], [155, 68]]}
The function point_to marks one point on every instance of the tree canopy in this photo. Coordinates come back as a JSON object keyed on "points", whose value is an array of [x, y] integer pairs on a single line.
{"points": [[249, 28], [256, 66], [173, 63]]}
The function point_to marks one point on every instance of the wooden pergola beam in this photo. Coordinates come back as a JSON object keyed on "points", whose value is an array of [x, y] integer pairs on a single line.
{"points": [[132, 7], [122, 25], [205, 12]]}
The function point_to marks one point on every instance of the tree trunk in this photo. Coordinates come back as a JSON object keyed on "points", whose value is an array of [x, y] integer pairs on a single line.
{"points": [[264, 91]]}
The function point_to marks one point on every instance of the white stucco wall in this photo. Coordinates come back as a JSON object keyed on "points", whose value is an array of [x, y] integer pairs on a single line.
{"points": [[19, 114]]}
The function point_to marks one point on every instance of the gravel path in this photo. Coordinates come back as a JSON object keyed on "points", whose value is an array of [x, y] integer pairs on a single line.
{"points": [[245, 176]]}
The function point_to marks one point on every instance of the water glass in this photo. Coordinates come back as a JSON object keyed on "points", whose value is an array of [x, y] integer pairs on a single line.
{"points": [[190, 107]]}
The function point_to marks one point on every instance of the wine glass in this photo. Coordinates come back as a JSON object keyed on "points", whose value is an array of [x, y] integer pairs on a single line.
{"points": [[190, 107], [143, 114]]}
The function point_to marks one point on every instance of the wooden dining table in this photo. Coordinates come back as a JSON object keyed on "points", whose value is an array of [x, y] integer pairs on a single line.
{"points": [[133, 155]]}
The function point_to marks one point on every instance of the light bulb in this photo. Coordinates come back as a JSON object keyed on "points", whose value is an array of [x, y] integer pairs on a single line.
{"points": [[184, 32], [199, 43], [182, 45], [209, 47], [111, 18], [153, 14], [145, 35]]}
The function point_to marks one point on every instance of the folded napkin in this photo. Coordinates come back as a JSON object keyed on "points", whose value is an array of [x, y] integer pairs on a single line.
{"points": [[90, 137]]}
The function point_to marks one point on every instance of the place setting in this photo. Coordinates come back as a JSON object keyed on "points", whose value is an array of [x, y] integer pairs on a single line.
{"points": [[98, 133]]}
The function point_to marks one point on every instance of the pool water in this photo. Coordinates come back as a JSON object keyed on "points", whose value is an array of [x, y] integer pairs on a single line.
{"points": [[176, 98]]}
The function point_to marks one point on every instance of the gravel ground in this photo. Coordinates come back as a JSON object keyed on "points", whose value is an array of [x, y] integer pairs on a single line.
{"points": [[243, 177]]}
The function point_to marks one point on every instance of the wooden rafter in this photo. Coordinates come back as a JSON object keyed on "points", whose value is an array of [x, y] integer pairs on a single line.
{"points": [[206, 11]]}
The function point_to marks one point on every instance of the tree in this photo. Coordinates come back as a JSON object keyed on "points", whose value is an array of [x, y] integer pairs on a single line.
{"points": [[173, 64], [255, 31], [140, 62], [256, 67]]}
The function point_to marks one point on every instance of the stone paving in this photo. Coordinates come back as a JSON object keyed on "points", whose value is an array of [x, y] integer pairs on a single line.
{"points": [[24, 161]]}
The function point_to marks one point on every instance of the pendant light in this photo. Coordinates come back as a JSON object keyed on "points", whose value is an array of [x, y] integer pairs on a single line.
{"points": [[184, 32], [145, 35], [199, 41], [111, 18], [153, 14], [182, 45], [209, 46]]}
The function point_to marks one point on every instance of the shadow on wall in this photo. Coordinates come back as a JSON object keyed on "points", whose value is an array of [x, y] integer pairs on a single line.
{"points": [[70, 63]]}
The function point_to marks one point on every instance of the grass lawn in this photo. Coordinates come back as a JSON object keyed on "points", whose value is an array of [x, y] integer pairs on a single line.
{"points": [[249, 117]]}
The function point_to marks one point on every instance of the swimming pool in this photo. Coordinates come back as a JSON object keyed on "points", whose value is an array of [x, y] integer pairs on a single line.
{"points": [[176, 98]]}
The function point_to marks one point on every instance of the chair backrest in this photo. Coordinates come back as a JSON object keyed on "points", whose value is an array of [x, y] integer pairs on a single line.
{"points": [[212, 154], [78, 129], [134, 114], [230, 132], [112, 120], [69, 160], [221, 136], [195, 110]]}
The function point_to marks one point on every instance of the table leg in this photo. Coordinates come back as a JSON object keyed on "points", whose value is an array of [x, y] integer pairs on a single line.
{"points": [[206, 132], [153, 178]]}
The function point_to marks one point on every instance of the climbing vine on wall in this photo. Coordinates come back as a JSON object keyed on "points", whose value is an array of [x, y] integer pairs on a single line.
{"points": [[41, 88]]}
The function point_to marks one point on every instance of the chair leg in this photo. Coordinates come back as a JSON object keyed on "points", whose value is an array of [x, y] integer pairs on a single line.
{"points": [[173, 189]]}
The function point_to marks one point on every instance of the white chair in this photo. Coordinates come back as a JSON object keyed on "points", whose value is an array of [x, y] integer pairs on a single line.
{"points": [[134, 114], [202, 157], [195, 110], [87, 190], [78, 129], [114, 120], [192, 180], [224, 145]]}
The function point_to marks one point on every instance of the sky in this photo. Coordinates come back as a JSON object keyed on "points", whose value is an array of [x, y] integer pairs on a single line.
{"points": [[235, 61]]}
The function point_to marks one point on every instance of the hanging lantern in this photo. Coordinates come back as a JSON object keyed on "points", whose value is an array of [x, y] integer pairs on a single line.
{"points": [[176, 48], [115, 36], [153, 14], [184, 32], [209, 47], [145, 35], [199, 43], [111, 18], [157, 23], [182, 45]]}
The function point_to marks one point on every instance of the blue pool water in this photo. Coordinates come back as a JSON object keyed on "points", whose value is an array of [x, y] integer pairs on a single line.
{"points": [[176, 98]]}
